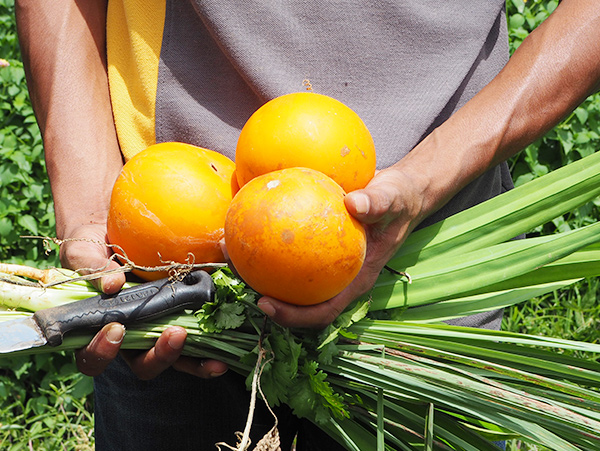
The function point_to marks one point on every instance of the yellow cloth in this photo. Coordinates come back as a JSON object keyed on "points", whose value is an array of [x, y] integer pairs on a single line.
{"points": [[134, 37]]}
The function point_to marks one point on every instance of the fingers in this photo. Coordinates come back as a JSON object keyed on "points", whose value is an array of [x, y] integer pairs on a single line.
{"points": [[166, 353], [91, 254], [288, 315], [369, 206], [167, 349], [388, 196], [205, 369], [111, 283], [321, 315], [104, 347], [89, 257]]}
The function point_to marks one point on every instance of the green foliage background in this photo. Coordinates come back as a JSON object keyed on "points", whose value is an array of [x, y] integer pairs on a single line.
{"points": [[25, 198], [574, 312], [45, 404], [576, 136]]}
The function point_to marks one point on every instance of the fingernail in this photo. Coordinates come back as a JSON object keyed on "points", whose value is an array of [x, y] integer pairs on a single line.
{"points": [[266, 307], [177, 341], [362, 203], [217, 374], [115, 334], [106, 286]]}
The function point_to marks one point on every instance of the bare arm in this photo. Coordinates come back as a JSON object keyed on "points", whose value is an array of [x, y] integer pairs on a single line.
{"points": [[64, 53], [63, 45], [551, 73]]}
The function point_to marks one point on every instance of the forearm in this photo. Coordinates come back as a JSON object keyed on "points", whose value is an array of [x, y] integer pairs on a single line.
{"points": [[63, 46], [551, 73]]}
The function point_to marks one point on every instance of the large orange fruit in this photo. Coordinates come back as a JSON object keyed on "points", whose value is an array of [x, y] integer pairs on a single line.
{"points": [[309, 130], [289, 236], [171, 200]]}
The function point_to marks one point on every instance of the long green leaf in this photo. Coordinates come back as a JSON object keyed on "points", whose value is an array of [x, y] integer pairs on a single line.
{"points": [[506, 216], [479, 303], [446, 332], [466, 396], [447, 278], [410, 418], [551, 277], [490, 363]]}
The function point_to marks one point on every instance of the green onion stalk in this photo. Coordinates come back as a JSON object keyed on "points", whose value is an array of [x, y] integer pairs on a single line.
{"points": [[388, 374]]}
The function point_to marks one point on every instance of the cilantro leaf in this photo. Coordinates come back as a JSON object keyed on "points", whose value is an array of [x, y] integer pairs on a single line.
{"points": [[228, 310], [229, 287], [312, 397], [279, 374]]}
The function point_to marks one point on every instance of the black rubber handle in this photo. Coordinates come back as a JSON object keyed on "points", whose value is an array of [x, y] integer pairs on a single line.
{"points": [[142, 302]]}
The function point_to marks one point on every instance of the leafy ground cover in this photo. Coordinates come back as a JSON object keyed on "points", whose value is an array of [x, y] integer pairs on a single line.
{"points": [[25, 198], [46, 405]]}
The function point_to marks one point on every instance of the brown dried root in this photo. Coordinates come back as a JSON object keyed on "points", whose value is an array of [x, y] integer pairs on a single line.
{"points": [[270, 441], [24, 275]]}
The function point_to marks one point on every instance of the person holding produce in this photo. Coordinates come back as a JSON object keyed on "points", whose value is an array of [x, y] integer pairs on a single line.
{"points": [[433, 82]]}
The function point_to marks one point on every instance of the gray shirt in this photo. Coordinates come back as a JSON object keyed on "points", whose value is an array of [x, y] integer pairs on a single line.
{"points": [[404, 66]]}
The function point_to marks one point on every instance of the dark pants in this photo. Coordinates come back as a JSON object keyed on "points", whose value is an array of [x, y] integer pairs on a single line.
{"points": [[177, 411]]}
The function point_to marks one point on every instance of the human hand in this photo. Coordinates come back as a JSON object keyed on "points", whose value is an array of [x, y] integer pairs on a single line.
{"points": [[89, 252], [104, 347], [86, 252], [389, 208]]}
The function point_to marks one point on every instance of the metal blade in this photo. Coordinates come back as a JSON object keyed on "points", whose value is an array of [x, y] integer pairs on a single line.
{"points": [[19, 334]]}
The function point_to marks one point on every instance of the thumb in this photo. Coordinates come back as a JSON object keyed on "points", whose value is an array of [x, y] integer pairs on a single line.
{"points": [[111, 283], [87, 258], [368, 205]]}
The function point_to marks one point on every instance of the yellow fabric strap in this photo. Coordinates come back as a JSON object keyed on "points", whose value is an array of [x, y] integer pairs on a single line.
{"points": [[134, 36]]}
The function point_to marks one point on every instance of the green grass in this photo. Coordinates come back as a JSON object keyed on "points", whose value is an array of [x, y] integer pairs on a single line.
{"points": [[45, 405], [572, 313]]}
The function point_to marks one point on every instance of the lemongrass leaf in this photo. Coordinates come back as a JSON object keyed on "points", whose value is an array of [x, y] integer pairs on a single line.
{"points": [[348, 433], [551, 277], [507, 215], [466, 396], [380, 418], [429, 422], [440, 278], [410, 418], [457, 332], [490, 366]]}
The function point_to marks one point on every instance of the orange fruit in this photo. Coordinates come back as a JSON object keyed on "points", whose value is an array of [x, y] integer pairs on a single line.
{"points": [[289, 236], [171, 200], [309, 130]]}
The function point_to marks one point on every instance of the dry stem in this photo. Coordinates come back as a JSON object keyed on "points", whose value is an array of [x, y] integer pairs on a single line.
{"points": [[43, 276], [270, 441]]}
